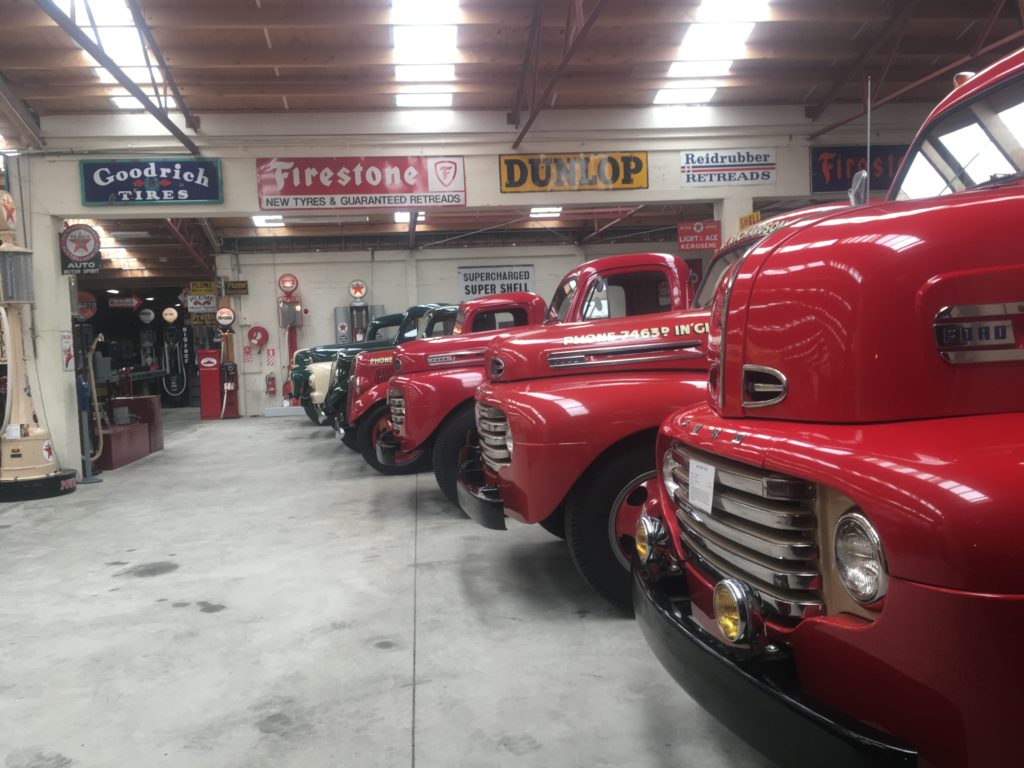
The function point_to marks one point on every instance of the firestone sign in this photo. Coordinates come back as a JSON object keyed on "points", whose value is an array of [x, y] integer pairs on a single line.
{"points": [[332, 183], [166, 181]]}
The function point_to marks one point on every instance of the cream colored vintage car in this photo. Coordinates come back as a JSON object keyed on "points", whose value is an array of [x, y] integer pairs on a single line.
{"points": [[319, 385]]}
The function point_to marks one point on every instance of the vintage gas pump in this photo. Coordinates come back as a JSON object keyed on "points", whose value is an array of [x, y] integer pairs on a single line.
{"points": [[175, 379], [147, 339], [28, 464], [258, 336], [289, 311], [359, 310], [228, 367]]}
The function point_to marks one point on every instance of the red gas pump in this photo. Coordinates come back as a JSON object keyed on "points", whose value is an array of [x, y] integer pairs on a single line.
{"points": [[225, 318], [210, 393], [289, 311]]}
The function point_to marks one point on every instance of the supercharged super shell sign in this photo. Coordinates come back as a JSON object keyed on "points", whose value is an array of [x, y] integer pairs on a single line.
{"points": [[332, 183]]}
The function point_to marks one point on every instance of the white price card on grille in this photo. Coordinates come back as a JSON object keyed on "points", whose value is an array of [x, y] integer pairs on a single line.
{"points": [[702, 485]]}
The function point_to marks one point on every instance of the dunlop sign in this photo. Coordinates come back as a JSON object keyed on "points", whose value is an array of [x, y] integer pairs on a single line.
{"points": [[573, 172]]}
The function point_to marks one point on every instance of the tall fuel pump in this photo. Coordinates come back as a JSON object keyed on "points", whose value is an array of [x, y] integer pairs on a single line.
{"points": [[28, 464], [175, 378]]}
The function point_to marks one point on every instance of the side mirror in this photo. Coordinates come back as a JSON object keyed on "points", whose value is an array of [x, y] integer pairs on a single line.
{"points": [[858, 193]]}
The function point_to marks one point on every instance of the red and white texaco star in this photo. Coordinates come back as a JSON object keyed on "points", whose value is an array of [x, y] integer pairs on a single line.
{"points": [[7, 204]]}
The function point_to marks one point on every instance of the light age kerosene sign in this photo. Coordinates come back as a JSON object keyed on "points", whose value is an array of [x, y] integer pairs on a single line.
{"points": [[475, 282], [165, 181], [727, 167], [332, 183], [573, 171]]}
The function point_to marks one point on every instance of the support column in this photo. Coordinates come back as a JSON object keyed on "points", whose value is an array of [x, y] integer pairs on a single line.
{"points": [[51, 314], [729, 209]]}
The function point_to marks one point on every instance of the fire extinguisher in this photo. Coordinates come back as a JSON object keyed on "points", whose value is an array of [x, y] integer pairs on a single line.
{"points": [[271, 384]]}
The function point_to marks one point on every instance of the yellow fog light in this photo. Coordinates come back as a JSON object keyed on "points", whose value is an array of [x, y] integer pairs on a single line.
{"points": [[733, 601], [649, 533]]}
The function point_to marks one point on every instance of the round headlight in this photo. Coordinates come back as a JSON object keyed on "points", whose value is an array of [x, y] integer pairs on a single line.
{"points": [[509, 443], [668, 464], [649, 534], [860, 558]]}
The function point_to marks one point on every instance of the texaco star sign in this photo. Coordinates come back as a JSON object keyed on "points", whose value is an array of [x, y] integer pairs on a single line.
{"points": [[8, 210]]}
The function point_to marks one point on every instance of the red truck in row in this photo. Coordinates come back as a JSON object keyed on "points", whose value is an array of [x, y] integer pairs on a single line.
{"points": [[828, 561], [568, 415], [367, 413], [431, 397]]}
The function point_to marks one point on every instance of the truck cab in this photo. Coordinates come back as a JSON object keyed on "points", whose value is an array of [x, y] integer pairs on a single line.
{"points": [[829, 559], [367, 414], [430, 399]]}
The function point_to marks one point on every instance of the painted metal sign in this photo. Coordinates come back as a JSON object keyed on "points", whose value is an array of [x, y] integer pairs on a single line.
{"points": [[833, 168], [236, 287], [79, 250], [573, 171], [331, 183], [700, 235], [475, 282], [727, 167], [86, 305], [124, 302], [164, 181], [202, 304]]}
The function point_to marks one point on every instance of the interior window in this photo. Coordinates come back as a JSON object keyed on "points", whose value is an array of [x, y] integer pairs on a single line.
{"points": [[626, 295], [493, 321], [562, 300], [378, 331]]}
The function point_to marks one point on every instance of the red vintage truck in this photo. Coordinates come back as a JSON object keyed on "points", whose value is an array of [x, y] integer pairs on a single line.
{"points": [[829, 561], [569, 414], [367, 414], [432, 398]]}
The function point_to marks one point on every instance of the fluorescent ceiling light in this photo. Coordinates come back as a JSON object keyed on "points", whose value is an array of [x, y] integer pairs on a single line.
{"points": [[550, 212], [733, 10], [268, 221], [700, 68], [137, 74], [424, 73], [684, 95], [150, 298], [423, 99], [402, 217], [425, 45], [425, 11], [715, 41], [113, 290]]}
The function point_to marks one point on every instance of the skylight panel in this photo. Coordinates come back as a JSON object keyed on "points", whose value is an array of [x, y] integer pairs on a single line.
{"points": [[715, 41], [733, 10], [426, 44], [425, 11]]}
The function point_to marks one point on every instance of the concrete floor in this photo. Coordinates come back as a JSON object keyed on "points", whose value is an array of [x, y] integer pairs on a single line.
{"points": [[256, 595]]}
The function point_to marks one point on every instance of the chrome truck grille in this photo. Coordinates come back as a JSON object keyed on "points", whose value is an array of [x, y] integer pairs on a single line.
{"points": [[383, 373], [492, 426], [396, 404], [761, 530]]}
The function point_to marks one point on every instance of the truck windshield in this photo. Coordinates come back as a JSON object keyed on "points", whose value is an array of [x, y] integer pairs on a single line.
{"points": [[706, 291], [562, 300], [980, 142]]}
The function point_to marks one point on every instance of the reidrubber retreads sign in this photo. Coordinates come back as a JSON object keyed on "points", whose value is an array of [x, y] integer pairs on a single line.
{"points": [[727, 167], [333, 183]]}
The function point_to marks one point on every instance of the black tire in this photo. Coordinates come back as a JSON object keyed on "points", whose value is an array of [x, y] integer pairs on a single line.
{"points": [[312, 411], [366, 438], [555, 522], [601, 553], [450, 440], [348, 439]]}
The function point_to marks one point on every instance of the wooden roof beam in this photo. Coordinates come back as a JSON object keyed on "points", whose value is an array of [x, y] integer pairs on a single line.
{"points": [[526, 91], [86, 44], [576, 31], [894, 27], [20, 115], [178, 230]]}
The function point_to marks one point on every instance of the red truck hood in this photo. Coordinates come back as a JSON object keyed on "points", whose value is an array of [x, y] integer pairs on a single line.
{"points": [[464, 350], [900, 310], [662, 341]]}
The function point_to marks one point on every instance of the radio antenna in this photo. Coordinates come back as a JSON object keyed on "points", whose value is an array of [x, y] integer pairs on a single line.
{"points": [[867, 150]]}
